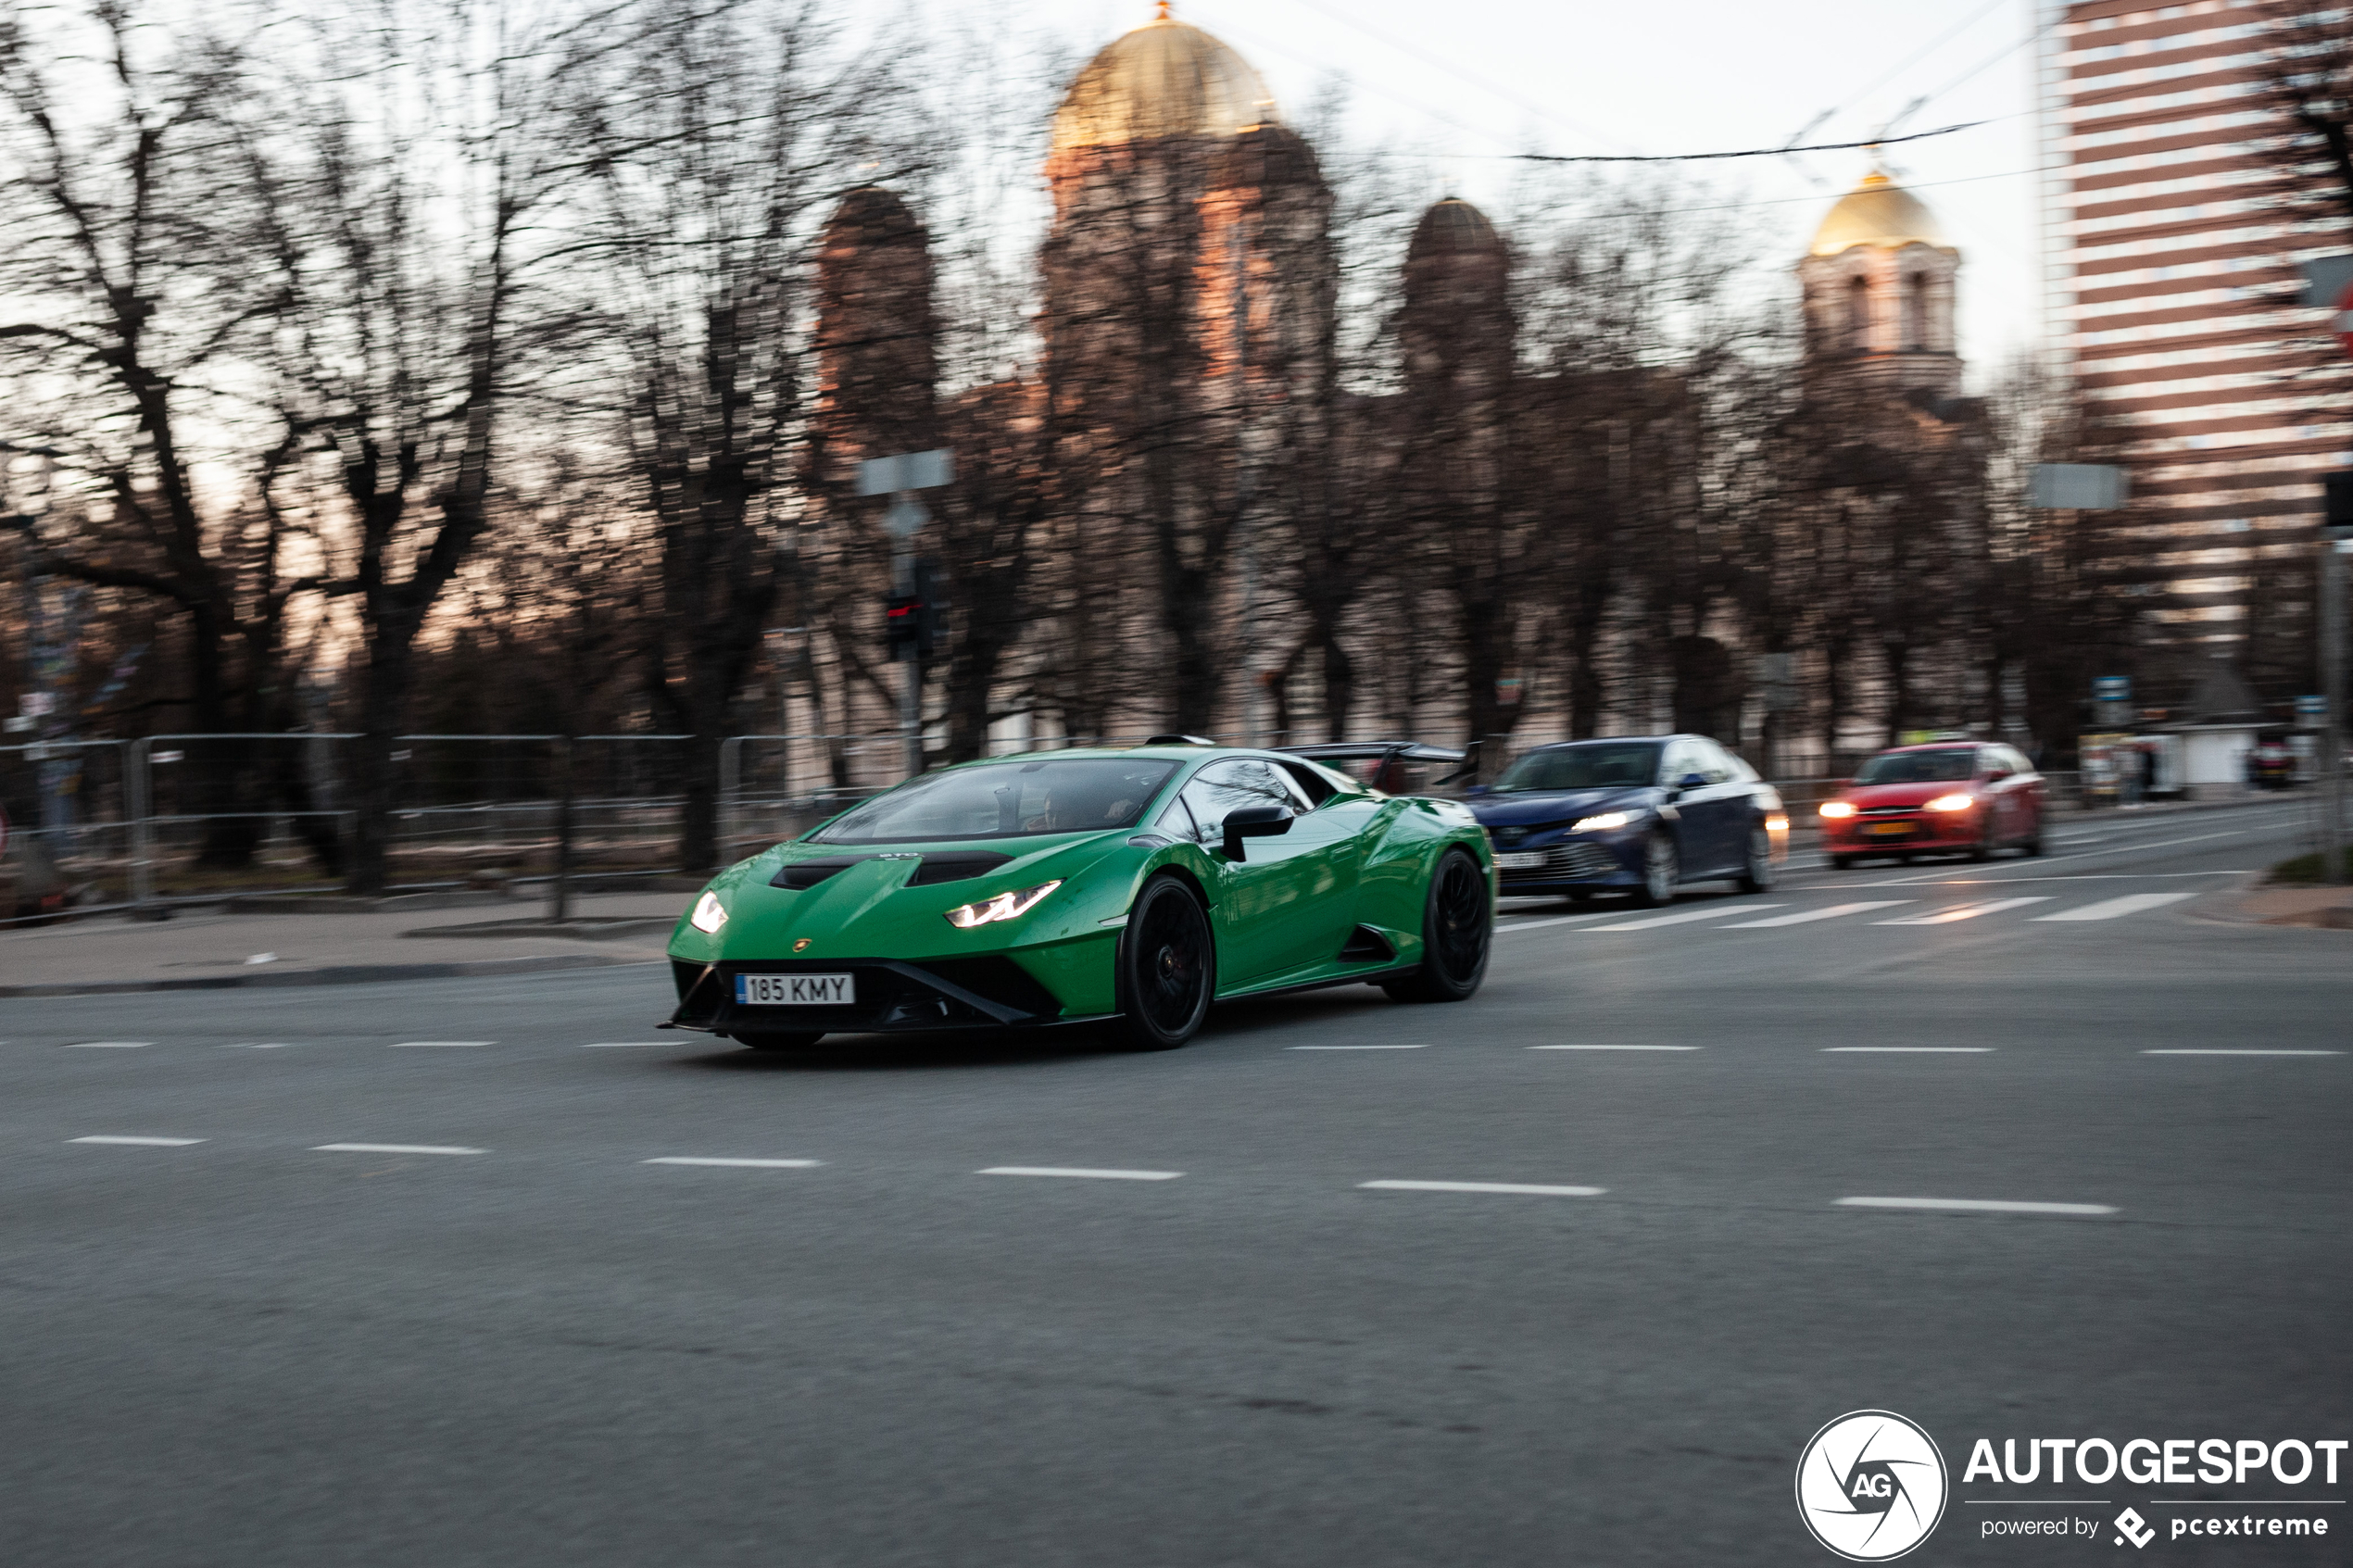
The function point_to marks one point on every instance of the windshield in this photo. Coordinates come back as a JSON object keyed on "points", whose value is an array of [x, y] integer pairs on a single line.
{"points": [[1918, 767], [1598, 765], [1007, 801]]}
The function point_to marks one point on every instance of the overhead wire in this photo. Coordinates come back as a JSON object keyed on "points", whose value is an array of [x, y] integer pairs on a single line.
{"points": [[1749, 152]]}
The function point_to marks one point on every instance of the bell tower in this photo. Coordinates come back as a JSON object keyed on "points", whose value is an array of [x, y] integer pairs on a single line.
{"points": [[1878, 283]]}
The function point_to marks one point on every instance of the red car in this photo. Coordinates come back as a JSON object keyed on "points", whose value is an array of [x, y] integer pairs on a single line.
{"points": [[1950, 797]]}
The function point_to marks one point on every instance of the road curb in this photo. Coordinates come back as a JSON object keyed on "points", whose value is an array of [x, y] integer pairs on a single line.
{"points": [[332, 974]]}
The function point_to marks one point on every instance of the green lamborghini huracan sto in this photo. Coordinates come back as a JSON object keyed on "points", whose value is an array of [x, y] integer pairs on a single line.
{"points": [[1127, 889]]}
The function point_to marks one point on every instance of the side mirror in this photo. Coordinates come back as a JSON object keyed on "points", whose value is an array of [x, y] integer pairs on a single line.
{"points": [[1691, 781], [1254, 822]]}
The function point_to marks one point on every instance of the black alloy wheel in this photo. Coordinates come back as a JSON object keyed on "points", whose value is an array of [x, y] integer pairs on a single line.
{"points": [[1662, 872], [800, 1042], [1756, 875], [1167, 968], [1458, 929]]}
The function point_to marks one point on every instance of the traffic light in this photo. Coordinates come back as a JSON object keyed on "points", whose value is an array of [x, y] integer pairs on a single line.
{"points": [[906, 624], [911, 620]]}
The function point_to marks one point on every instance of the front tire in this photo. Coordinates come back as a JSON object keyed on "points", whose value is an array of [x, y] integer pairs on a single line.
{"points": [[1661, 872], [1756, 874], [1458, 928], [1167, 968], [800, 1042], [1842, 862]]}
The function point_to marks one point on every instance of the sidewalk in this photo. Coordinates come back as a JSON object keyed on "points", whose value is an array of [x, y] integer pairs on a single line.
{"points": [[213, 950]]}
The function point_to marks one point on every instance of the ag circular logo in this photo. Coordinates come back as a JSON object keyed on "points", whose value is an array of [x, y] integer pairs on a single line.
{"points": [[1870, 1486]]}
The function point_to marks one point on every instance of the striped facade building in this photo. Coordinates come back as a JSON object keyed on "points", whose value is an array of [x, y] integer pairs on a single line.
{"points": [[2171, 236]]}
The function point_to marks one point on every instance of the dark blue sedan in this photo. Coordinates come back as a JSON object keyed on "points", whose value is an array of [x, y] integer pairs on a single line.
{"points": [[1639, 814]]}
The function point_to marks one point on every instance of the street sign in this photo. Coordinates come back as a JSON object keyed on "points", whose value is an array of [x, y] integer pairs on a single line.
{"points": [[907, 471], [905, 517], [2113, 688], [2091, 487], [2326, 278], [2312, 709]]}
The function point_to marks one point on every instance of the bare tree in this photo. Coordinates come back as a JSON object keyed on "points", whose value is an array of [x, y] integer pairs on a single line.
{"points": [[127, 257], [720, 138]]}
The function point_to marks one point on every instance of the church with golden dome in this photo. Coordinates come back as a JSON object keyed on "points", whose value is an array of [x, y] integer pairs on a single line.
{"points": [[1877, 285], [1217, 532]]}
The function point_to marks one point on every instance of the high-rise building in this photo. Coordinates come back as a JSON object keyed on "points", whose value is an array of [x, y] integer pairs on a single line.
{"points": [[2172, 229]]}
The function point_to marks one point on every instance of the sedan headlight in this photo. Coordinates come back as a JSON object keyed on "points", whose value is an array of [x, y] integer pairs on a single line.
{"points": [[1005, 906], [1837, 809], [709, 914], [1602, 823], [1951, 803]]}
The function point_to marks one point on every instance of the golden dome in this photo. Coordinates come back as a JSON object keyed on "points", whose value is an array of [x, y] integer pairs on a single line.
{"points": [[1164, 79], [1877, 212]]}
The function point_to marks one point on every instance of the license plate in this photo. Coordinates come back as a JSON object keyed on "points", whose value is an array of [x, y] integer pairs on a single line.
{"points": [[796, 990], [1888, 829], [1519, 862]]}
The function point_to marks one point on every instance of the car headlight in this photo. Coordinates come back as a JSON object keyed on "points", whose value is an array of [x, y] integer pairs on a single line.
{"points": [[1951, 803], [1005, 906], [1837, 809], [1602, 823], [709, 914]]}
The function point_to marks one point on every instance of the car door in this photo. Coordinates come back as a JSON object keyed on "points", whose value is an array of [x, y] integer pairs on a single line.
{"points": [[1280, 905], [2003, 797], [1712, 815]]}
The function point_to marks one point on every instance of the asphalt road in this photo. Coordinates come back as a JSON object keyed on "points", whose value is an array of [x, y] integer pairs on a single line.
{"points": [[257, 1350]]}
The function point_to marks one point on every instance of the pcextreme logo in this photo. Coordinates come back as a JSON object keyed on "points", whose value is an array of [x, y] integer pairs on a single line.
{"points": [[1871, 1485]]}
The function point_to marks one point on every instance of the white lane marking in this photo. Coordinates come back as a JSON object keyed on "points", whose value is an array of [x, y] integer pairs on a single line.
{"points": [[1687, 916], [1803, 916], [2109, 909], [1616, 1047], [255, 1045], [109, 1044], [1418, 1048], [1485, 1187], [1914, 1050], [743, 1164], [2092, 855], [1556, 920], [1075, 1170], [618, 1045], [441, 1045], [391, 1148], [1967, 912], [1976, 1205], [2238, 1051], [140, 1142]]}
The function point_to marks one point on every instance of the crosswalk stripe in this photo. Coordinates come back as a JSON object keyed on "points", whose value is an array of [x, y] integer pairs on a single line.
{"points": [[1803, 916], [1966, 911], [2108, 909], [1719, 913]]}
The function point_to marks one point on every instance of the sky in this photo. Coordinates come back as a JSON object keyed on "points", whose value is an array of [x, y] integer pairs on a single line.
{"points": [[1459, 86]]}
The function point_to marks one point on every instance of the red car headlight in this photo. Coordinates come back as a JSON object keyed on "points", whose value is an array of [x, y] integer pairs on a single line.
{"points": [[1836, 809], [1951, 803]]}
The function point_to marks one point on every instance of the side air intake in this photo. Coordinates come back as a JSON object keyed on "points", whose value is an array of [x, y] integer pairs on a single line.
{"points": [[1366, 945]]}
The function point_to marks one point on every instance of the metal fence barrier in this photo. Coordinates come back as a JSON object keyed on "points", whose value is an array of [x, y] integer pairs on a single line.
{"points": [[177, 817]]}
